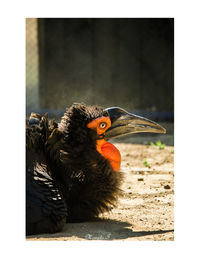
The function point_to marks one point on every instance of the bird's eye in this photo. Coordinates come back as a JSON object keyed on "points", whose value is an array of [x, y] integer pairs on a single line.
{"points": [[103, 125]]}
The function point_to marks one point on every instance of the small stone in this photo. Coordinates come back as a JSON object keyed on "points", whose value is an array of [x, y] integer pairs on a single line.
{"points": [[167, 187], [140, 179]]}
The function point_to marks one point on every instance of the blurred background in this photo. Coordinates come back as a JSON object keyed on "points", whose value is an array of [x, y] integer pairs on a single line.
{"points": [[126, 62]]}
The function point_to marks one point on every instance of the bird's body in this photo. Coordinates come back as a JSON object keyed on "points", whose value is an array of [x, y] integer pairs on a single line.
{"points": [[72, 172], [65, 163], [45, 207]]}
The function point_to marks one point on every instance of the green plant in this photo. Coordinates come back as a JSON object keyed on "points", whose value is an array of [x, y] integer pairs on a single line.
{"points": [[146, 164], [158, 144]]}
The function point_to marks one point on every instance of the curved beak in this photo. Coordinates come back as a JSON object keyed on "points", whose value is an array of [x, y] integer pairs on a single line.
{"points": [[123, 123]]}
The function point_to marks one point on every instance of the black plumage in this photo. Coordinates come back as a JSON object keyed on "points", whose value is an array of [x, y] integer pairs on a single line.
{"points": [[67, 179], [45, 207], [72, 172]]}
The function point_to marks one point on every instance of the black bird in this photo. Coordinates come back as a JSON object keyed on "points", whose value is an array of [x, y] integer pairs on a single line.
{"points": [[72, 172]]}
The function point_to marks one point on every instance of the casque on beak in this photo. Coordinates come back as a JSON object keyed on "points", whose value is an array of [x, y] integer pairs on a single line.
{"points": [[123, 123]]}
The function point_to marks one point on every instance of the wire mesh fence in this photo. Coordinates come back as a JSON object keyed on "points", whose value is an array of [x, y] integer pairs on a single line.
{"points": [[32, 64]]}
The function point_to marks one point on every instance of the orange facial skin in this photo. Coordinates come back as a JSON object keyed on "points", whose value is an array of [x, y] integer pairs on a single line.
{"points": [[106, 149]]}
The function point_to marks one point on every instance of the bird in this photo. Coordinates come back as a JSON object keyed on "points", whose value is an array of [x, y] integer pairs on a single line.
{"points": [[72, 170]]}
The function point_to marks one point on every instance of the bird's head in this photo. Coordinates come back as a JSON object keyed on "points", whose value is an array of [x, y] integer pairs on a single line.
{"points": [[90, 127]]}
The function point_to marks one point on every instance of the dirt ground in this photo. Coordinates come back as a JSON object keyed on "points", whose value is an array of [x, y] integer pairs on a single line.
{"points": [[145, 209]]}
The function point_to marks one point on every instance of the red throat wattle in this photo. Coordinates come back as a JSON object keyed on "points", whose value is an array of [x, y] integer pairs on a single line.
{"points": [[110, 152], [106, 149]]}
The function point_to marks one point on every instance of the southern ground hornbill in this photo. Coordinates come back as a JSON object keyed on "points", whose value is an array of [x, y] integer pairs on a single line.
{"points": [[72, 172]]}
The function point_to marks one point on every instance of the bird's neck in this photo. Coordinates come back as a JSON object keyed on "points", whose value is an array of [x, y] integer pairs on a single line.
{"points": [[109, 152]]}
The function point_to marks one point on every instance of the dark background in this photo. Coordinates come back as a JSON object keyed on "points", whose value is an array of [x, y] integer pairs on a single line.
{"points": [[127, 62]]}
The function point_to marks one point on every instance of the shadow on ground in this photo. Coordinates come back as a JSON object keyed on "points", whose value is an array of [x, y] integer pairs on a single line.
{"points": [[98, 230]]}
